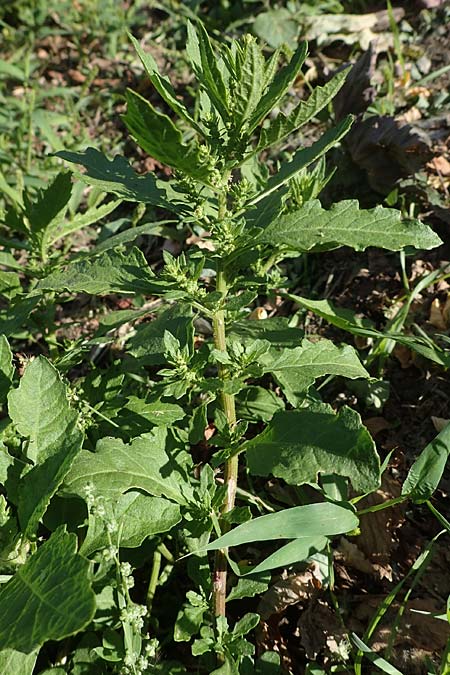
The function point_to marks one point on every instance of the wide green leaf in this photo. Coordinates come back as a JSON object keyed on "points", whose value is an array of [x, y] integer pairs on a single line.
{"points": [[137, 516], [297, 369], [426, 472], [110, 272], [13, 662], [299, 522], [49, 203], [279, 86], [160, 138], [298, 445], [345, 224], [18, 312], [276, 330], [6, 368], [49, 597], [147, 464], [283, 125], [41, 413], [118, 177]]}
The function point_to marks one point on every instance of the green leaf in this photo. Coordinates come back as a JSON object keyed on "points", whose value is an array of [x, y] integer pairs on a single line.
{"points": [[160, 138], [256, 403], [345, 224], [283, 125], [6, 368], [303, 158], [251, 81], [17, 314], [13, 662], [276, 330], [426, 472], [299, 522], [41, 413], [297, 369], [276, 27], [296, 551], [297, 445], [49, 203], [82, 220], [279, 86], [148, 341], [110, 272], [114, 468], [163, 85], [118, 177], [377, 660], [137, 516], [158, 413], [249, 587], [49, 597], [206, 69]]}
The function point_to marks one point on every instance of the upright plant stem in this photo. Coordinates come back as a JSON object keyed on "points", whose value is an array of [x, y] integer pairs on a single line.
{"points": [[231, 465]]}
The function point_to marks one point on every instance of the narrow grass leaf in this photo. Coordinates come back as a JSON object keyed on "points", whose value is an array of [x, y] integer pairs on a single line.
{"points": [[425, 474], [299, 522]]}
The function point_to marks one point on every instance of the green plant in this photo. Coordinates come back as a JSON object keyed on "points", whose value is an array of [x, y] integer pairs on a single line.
{"points": [[141, 481]]}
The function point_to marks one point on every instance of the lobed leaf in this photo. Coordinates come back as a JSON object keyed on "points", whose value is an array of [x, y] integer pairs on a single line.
{"points": [[251, 81], [283, 125], [118, 177], [109, 272], [345, 224], [49, 597], [279, 86], [114, 468], [298, 445], [297, 369]]}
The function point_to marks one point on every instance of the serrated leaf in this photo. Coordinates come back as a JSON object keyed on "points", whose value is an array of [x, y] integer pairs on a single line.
{"points": [[425, 474], [6, 368], [137, 516], [49, 597], [279, 86], [206, 69], [49, 202], [82, 220], [303, 158], [163, 85], [114, 468], [297, 369], [110, 272], [299, 522], [13, 662], [345, 224], [251, 81], [40, 411], [148, 341], [298, 445], [118, 177], [159, 137], [283, 125]]}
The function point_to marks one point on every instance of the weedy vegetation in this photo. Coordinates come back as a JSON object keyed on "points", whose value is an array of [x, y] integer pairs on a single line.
{"points": [[128, 485]]}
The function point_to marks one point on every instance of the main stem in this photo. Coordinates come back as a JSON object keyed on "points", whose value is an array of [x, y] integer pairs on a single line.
{"points": [[231, 465]]}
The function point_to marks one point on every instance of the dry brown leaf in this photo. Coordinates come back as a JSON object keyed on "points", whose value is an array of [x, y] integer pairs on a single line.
{"points": [[441, 165], [376, 424], [403, 355], [259, 313], [322, 632], [290, 590], [436, 317]]}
